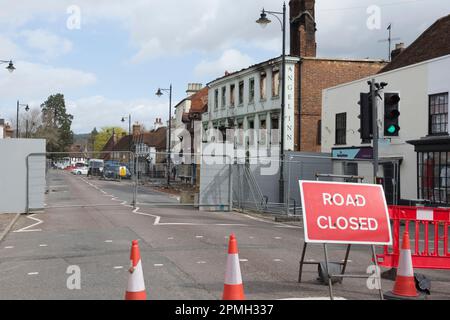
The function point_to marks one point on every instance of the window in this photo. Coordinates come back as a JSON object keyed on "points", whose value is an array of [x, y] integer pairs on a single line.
{"points": [[240, 135], [251, 132], [434, 176], [275, 133], [251, 93], [216, 99], [263, 85], [275, 82], [241, 92], [224, 92], [262, 131], [232, 89], [350, 169], [341, 128], [438, 121]]}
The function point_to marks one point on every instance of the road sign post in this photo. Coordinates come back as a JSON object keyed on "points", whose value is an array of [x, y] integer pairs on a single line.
{"points": [[344, 213]]}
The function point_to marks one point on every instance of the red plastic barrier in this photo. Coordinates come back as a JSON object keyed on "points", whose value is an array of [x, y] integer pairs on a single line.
{"points": [[425, 255]]}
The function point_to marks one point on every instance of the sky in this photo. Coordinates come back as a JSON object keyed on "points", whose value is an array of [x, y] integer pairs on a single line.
{"points": [[109, 57]]}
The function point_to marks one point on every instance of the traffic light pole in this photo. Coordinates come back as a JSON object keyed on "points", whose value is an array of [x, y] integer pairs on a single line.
{"points": [[373, 92]]}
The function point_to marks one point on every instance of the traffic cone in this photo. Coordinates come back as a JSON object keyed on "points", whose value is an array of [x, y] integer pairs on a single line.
{"points": [[233, 288], [136, 285], [405, 285]]}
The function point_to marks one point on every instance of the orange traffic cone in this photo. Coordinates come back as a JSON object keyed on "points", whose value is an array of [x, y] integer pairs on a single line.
{"points": [[136, 285], [405, 286], [233, 288]]}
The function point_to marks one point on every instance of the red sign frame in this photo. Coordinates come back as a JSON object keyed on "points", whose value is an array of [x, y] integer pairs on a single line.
{"points": [[345, 213]]}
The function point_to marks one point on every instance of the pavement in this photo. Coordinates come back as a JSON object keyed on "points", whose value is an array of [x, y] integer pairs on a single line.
{"points": [[7, 221], [90, 224]]}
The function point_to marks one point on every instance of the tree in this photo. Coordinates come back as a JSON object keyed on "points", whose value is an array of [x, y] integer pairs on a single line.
{"points": [[102, 137], [91, 140], [30, 122], [56, 122]]}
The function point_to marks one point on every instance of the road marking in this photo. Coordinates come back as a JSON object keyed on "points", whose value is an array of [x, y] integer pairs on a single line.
{"points": [[277, 224], [347, 260], [118, 267], [158, 265], [170, 238], [33, 273], [278, 238], [199, 237], [43, 245], [108, 241], [315, 298], [251, 237], [277, 260], [201, 262], [27, 229], [243, 260], [9, 247]]}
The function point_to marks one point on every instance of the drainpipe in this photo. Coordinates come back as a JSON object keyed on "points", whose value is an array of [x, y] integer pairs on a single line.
{"points": [[300, 105]]}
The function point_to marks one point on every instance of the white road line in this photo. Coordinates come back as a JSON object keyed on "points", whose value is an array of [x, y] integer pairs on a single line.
{"points": [[243, 260], [43, 245], [201, 262], [170, 238], [278, 238], [158, 265], [315, 298], [278, 224], [118, 267], [108, 241], [158, 218], [33, 273], [9, 247], [199, 237], [277, 260], [27, 229], [251, 237]]}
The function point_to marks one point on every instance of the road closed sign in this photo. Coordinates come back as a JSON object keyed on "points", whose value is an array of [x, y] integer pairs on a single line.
{"points": [[347, 213]]}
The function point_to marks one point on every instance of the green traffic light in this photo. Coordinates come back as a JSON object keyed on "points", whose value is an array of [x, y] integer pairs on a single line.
{"points": [[392, 129]]}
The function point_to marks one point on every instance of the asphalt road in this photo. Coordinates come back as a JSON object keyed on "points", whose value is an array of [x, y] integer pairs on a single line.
{"points": [[90, 224]]}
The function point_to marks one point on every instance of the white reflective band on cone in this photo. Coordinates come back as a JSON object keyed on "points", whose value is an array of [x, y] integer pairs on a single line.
{"points": [[405, 264], [233, 271], [136, 279]]}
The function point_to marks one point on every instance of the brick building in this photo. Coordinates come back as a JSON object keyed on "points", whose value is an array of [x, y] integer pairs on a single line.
{"points": [[315, 74], [250, 98]]}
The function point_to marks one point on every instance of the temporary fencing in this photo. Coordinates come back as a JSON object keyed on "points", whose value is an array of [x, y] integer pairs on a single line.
{"points": [[429, 230]]}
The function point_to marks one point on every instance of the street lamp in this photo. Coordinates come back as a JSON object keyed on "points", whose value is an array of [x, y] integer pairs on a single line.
{"points": [[159, 93], [27, 108], [17, 116], [129, 129], [10, 66], [263, 21]]}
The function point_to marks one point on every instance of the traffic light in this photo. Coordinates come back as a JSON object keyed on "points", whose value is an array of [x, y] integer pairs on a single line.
{"points": [[391, 114], [366, 117]]}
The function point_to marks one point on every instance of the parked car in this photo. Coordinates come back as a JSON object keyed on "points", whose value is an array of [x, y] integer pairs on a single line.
{"points": [[95, 167], [113, 172], [80, 171]]}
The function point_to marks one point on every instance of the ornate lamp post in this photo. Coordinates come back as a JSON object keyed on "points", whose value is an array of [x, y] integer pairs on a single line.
{"points": [[264, 21], [159, 93]]}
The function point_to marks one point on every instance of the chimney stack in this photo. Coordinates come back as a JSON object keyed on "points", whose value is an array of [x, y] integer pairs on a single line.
{"points": [[158, 124], [136, 129], [193, 88], [399, 48], [303, 28]]}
